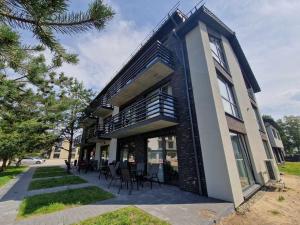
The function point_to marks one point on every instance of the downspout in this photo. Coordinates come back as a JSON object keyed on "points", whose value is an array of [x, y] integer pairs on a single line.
{"points": [[189, 106]]}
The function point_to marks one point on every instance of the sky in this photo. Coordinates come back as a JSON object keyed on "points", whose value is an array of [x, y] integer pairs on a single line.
{"points": [[268, 31]]}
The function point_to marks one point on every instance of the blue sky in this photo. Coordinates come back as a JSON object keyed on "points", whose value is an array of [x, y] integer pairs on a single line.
{"points": [[268, 31]]}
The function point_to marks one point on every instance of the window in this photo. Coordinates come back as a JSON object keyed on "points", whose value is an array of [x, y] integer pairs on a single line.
{"points": [[278, 135], [274, 133], [258, 119], [217, 51], [228, 99], [267, 150], [56, 155], [242, 160]]}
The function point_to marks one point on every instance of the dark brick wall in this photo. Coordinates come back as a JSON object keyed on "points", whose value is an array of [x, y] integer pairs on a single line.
{"points": [[188, 179]]}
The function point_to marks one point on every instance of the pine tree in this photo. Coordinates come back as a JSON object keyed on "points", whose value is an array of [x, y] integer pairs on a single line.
{"points": [[45, 18], [34, 98], [78, 99]]}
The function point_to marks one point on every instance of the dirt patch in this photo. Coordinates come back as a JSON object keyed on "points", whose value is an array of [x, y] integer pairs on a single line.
{"points": [[270, 206]]}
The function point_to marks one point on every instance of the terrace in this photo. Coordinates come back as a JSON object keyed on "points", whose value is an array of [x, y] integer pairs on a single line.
{"points": [[151, 113], [155, 64]]}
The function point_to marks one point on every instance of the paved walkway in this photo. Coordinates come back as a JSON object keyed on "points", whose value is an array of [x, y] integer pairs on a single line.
{"points": [[166, 202], [12, 195]]}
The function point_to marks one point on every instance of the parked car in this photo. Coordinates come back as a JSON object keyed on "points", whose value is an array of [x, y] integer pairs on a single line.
{"points": [[32, 160]]}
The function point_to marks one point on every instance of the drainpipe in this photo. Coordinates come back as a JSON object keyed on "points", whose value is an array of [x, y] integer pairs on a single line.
{"points": [[189, 106]]}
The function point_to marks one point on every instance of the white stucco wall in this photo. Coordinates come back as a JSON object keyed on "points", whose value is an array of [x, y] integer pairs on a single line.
{"points": [[221, 172], [256, 147], [275, 142], [113, 142]]}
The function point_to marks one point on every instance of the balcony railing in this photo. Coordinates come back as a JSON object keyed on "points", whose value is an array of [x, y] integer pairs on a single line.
{"points": [[104, 108], [95, 133], [156, 52], [154, 106]]}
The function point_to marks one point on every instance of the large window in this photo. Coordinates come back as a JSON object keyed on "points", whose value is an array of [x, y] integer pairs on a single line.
{"points": [[162, 150], [267, 150], [242, 160], [217, 51], [228, 99], [258, 119]]}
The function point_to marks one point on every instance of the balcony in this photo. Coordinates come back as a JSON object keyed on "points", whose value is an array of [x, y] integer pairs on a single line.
{"points": [[152, 113], [103, 109], [87, 121], [155, 64], [95, 134]]}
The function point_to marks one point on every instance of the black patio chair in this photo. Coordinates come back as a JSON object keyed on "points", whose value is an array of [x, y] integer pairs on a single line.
{"points": [[114, 175], [152, 174], [128, 179]]}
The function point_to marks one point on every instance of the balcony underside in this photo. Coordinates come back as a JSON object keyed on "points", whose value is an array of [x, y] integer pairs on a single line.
{"points": [[87, 122], [97, 139], [145, 126], [153, 74], [103, 111]]}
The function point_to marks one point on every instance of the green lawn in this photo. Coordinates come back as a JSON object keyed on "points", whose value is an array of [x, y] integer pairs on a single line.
{"points": [[47, 169], [125, 216], [50, 171], [10, 173], [52, 202], [55, 182], [292, 168]]}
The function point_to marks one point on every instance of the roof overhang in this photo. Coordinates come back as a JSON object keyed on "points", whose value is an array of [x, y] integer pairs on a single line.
{"points": [[207, 17]]}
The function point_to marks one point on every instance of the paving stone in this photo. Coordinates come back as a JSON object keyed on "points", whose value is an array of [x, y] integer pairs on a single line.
{"points": [[165, 202]]}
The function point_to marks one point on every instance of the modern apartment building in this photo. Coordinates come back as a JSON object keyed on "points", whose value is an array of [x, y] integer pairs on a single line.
{"points": [[185, 100], [275, 140], [58, 151]]}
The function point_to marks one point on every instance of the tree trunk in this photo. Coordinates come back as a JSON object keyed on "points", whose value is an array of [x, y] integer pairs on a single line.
{"points": [[4, 161], [18, 163], [9, 162], [70, 148]]}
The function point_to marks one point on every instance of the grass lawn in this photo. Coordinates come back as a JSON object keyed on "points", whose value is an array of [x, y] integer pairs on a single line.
{"points": [[47, 169], [52, 202], [50, 171], [55, 182], [125, 216], [10, 173], [292, 168]]}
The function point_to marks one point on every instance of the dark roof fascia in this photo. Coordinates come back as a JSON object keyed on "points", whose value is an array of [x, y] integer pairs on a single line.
{"points": [[164, 29], [271, 122], [206, 16]]}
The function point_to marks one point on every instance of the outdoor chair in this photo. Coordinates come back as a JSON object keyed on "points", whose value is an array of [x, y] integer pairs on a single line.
{"points": [[140, 172], [128, 179], [114, 175], [103, 169], [152, 174]]}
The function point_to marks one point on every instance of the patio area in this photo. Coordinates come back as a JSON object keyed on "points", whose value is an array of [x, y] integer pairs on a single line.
{"points": [[165, 201]]}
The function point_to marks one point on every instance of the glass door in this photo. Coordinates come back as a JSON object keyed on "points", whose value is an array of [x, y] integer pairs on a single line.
{"points": [[104, 155], [163, 151], [155, 155], [242, 160]]}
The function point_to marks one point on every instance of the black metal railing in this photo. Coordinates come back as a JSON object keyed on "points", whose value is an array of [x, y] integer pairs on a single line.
{"points": [[157, 51], [159, 104], [102, 101], [95, 131]]}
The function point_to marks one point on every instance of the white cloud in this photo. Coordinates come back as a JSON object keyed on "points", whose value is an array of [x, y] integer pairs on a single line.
{"points": [[102, 53], [268, 31]]}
